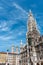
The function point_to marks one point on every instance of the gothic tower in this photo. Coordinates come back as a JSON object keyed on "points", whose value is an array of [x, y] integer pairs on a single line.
{"points": [[32, 30], [31, 22], [32, 37]]}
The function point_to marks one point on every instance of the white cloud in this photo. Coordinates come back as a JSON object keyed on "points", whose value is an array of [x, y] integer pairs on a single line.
{"points": [[4, 29], [5, 38], [19, 7], [1, 8], [4, 26], [22, 30], [20, 33]]}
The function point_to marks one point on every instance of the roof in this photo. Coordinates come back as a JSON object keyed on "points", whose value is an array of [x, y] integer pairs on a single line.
{"points": [[8, 53]]}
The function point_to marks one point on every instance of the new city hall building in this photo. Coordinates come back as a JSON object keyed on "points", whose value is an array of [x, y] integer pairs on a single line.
{"points": [[31, 53]]}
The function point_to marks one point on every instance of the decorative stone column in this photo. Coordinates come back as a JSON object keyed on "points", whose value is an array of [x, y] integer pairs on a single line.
{"points": [[34, 56], [7, 63], [39, 63], [28, 57]]}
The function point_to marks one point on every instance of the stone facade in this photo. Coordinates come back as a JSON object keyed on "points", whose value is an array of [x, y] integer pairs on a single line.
{"points": [[32, 52], [11, 58]]}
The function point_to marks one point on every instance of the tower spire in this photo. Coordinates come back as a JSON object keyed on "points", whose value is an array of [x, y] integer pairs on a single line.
{"points": [[12, 48], [31, 22], [21, 44], [30, 13]]}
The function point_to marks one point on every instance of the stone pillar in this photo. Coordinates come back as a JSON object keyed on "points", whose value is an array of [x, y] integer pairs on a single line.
{"points": [[28, 53], [12, 49], [34, 63], [16, 59], [39, 63], [21, 46], [34, 56], [7, 58], [17, 49]]}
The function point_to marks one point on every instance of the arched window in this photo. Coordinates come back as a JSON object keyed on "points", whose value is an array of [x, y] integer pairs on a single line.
{"points": [[8, 63], [37, 63], [29, 41]]}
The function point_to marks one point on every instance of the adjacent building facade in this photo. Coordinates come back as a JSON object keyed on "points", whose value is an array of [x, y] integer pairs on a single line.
{"points": [[9, 58]]}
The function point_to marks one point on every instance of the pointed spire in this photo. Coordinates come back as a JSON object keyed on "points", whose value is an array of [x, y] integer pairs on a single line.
{"points": [[21, 42], [21, 46], [12, 48], [17, 49], [30, 13], [31, 24]]}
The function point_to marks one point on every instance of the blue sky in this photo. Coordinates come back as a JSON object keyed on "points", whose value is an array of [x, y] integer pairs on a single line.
{"points": [[13, 20]]}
